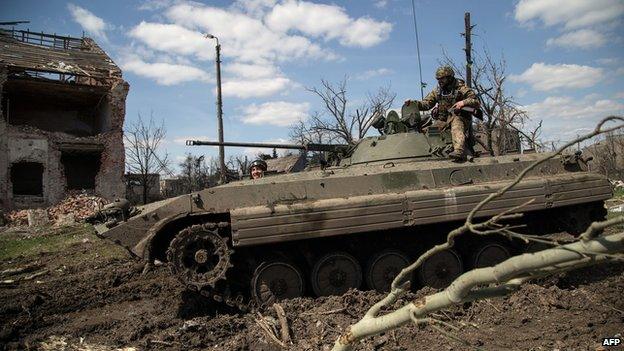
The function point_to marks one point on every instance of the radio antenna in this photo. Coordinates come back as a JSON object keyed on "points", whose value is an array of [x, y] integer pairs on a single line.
{"points": [[422, 85]]}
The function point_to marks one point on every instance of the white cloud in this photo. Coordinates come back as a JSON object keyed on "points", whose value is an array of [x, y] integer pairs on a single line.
{"points": [[582, 39], [380, 4], [255, 8], [244, 37], [569, 13], [246, 88], [607, 61], [619, 95], [546, 77], [91, 23], [327, 21], [251, 48], [566, 107], [251, 71], [564, 116], [373, 73], [521, 93], [174, 38], [153, 5], [164, 73], [277, 113], [366, 32], [245, 80]]}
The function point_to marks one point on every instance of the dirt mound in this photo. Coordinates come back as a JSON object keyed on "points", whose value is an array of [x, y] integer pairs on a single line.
{"points": [[92, 297]]}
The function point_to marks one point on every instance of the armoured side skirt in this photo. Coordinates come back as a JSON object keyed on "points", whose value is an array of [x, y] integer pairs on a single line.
{"points": [[322, 218]]}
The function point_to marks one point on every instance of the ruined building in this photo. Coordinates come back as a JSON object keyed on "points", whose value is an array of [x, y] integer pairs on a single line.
{"points": [[63, 107]]}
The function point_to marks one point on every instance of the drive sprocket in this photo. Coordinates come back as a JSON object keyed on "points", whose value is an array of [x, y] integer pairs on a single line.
{"points": [[199, 257]]}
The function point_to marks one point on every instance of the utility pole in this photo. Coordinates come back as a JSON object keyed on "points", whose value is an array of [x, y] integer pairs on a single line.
{"points": [[468, 49], [222, 174]]}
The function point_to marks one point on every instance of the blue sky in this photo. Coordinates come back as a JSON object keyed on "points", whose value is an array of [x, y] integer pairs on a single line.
{"points": [[565, 58]]}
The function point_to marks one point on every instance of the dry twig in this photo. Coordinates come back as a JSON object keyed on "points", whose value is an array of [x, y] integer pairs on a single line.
{"points": [[20, 270], [262, 323], [281, 316]]}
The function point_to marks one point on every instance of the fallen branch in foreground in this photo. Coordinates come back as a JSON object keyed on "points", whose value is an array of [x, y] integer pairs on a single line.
{"points": [[507, 277]]}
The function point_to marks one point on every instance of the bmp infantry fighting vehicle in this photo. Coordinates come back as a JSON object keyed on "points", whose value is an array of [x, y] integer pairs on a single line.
{"points": [[356, 222]]}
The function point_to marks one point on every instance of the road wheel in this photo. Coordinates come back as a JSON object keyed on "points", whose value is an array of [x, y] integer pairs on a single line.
{"points": [[199, 257], [276, 280], [439, 270], [489, 254], [383, 267], [335, 273]]}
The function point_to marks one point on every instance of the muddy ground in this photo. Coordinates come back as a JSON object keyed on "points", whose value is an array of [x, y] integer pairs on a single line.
{"points": [[87, 294]]}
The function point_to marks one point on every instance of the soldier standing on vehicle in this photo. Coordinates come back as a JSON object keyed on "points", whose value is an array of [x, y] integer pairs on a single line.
{"points": [[451, 95], [257, 169]]}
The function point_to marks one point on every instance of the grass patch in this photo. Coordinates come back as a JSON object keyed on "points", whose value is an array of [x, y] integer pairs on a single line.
{"points": [[618, 192], [16, 243]]}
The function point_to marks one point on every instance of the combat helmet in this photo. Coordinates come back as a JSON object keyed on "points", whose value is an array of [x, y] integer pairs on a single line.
{"points": [[444, 71], [258, 163]]}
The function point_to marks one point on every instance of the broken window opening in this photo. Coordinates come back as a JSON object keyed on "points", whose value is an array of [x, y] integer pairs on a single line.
{"points": [[55, 107], [81, 168], [27, 178]]}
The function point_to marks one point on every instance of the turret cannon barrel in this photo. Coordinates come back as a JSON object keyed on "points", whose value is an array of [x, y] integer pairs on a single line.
{"points": [[303, 147]]}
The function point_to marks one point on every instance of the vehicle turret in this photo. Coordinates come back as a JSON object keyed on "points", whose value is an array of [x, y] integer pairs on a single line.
{"points": [[403, 136]]}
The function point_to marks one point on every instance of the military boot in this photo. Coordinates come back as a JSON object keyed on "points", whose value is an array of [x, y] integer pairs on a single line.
{"points": [[457, 156]]}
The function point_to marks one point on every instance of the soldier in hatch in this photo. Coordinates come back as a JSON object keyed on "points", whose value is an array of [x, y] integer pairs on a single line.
{"points": [[451, 95], [257, 169]]}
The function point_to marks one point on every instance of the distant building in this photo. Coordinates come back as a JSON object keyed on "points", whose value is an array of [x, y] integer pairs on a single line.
{"points": [[134, 188], [172, 187], [63, 107]]}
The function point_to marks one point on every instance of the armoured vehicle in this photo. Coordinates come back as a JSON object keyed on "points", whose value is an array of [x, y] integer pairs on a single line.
{"points": [[355, 222]]}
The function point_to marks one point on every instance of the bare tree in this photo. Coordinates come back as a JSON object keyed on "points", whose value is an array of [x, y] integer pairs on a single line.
{"points": [[502, 114], [608, 155], [506, 276], [142, 141], [195, 173], [337, 122], [240, 163]]}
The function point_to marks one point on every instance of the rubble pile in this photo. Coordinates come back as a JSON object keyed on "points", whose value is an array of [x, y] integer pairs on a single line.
{"points": [[16, 218], [75, 207]]}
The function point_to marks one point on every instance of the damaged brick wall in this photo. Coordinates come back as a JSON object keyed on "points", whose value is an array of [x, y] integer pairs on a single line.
{"points": [[109, 182], [59, 132]]}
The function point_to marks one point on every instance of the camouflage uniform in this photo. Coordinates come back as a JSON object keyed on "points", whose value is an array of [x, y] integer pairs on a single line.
{"points": [[459, 92]]}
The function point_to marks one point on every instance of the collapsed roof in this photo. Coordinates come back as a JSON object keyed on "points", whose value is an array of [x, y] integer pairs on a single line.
{"points": [[78, 60]]}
